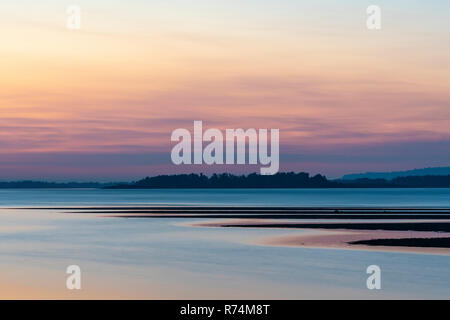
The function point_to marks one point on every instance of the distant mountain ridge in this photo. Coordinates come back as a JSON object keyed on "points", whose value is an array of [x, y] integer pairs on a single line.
{"points": [[432, 171]]}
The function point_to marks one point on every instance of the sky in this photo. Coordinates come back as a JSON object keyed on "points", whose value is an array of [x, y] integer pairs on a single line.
{"points": [[101, 102]]}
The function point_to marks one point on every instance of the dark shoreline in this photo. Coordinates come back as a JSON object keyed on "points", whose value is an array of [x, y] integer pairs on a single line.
{"points": [[407, 242], [402, 226], [251, 208], [278, 213], [268, 216], [280, 180]]}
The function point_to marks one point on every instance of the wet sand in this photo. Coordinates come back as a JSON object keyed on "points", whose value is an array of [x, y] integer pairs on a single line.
{"points": [[347, 239], [345, 236]]}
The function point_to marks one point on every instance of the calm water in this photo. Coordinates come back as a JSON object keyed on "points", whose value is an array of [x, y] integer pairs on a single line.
{"points": [[164, 258], [272, 197]]}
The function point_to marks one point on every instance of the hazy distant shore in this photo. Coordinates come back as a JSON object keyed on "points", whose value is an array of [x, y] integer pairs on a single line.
{"points": [[281, 180]]}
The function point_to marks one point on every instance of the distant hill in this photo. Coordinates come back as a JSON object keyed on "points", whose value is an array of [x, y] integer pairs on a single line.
{"points": [[437, 171]]}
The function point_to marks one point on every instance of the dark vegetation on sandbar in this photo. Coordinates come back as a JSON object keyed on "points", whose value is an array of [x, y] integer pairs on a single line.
{"points": [[267, 216], [404, 226], [240, 212], [407, 242], [226, 180], [262, 212]]}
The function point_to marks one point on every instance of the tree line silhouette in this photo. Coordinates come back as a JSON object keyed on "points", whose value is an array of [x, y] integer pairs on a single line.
{"points": [[253, 180], [281, 180]]}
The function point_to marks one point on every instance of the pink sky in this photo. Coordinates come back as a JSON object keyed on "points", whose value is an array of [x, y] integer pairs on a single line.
{"points": [[102, 102]]}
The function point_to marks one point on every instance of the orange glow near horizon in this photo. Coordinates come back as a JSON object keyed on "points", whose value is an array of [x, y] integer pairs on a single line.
{"points": [[109, 87]]}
